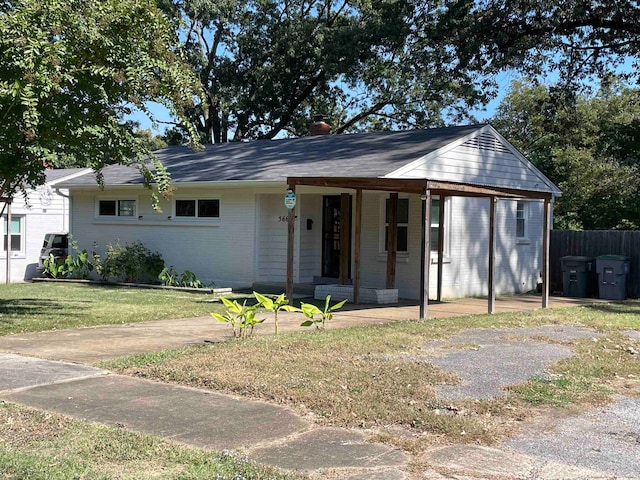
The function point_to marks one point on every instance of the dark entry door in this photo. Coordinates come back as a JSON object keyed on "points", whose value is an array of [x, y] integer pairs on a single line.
{"points": [[331, 236]]}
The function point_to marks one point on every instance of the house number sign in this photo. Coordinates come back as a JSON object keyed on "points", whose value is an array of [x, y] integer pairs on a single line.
{"points": [[290, 199]]}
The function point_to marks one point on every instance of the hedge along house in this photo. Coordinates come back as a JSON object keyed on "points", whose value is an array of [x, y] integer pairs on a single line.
{"points": [[227, 221]]}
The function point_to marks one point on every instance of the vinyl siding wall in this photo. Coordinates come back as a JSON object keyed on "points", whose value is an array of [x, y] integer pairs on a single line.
{"points": [[482, 160], [250, 241], [220, 252], [42, 212]]}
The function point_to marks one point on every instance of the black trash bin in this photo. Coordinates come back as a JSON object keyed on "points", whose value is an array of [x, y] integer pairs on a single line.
{"points": [[576, 272], [612, 276]]}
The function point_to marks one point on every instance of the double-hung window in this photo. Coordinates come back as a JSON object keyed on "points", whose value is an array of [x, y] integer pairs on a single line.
{"points": [[522, 215], [16, 234], [208, 209], [403, 224], [435, 223], [117, 208]]}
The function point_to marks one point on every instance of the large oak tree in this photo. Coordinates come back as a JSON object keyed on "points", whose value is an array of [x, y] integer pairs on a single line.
{"points": [[580, 41], [267, 66]]}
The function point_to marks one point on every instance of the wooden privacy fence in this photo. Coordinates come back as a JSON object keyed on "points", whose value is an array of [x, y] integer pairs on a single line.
{"points": [[592, 243]]}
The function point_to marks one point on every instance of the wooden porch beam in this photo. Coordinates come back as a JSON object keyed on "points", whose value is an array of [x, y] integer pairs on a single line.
{"points": [[356, 253], [384, 184], [463, 189], [440, 245], [545, 252], [417, 186], [492, 254], [291, 220], [345, 217], [425, 253], [392, 240]]}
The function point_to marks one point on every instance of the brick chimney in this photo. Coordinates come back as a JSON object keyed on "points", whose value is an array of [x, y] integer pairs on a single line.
{"points": [[319, 126]]}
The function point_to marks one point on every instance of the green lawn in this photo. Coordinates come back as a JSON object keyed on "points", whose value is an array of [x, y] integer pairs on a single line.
{"points": [[34, 307]]}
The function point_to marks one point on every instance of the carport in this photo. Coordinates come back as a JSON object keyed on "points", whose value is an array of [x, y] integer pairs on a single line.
{"points": [[426, 188]]}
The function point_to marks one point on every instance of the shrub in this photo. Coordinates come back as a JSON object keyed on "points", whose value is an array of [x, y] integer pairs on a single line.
{"points": [[132, 263]]}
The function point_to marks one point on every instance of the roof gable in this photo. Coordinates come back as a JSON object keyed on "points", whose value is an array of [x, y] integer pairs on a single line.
{"points": [[482, 157]]}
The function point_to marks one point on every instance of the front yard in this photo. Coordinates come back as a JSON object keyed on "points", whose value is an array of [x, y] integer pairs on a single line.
{"points": [[35, 307], [374, 378], [368, 377]]}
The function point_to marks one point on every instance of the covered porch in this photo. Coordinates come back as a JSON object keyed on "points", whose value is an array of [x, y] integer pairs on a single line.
{"points": [[426, 189]]}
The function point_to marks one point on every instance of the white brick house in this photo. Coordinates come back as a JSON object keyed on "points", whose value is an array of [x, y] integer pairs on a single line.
{"points": [[227, 221]]}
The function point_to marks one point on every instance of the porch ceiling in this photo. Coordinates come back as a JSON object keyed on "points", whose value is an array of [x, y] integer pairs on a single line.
{"points": [[417, 186]]}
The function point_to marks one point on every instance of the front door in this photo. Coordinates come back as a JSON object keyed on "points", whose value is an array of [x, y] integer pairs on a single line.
{"points": [[331, 236]]}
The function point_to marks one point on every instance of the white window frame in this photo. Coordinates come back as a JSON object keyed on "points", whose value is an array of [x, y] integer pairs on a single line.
{"points": [[446, 250], [524, 218], [117, 200], [196, 218], [22, 234]]}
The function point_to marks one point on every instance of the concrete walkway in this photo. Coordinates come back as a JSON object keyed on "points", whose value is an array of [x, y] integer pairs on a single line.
{"points": [[93, 344], [63, 380]]}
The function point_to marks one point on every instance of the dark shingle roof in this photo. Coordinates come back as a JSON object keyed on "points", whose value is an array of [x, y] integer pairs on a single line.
{"points": [[53, 175], [369, 155]]}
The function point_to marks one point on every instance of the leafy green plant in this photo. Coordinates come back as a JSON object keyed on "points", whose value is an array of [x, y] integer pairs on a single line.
{"points": [[75, 265], [78, 264], [55, 267], [275, 305], [310, 311], [171, 278], [189, 279], [242, 318]]}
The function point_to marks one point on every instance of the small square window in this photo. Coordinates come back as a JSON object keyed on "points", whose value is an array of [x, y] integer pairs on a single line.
{"points": [[204, 208], [185, 208], [116, 208], [209, 208], [126, 208], [107, 208]]}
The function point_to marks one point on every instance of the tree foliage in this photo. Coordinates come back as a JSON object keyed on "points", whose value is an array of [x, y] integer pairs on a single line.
{"points": [[70, 70], [588, 145], [268, 65], [578, 39]]}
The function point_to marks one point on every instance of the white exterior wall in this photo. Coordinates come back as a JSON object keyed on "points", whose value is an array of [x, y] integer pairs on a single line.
{"points": [[250, 241], [272, 238], [222, 252], [465, 269], [43, 211], [310, 240]]}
